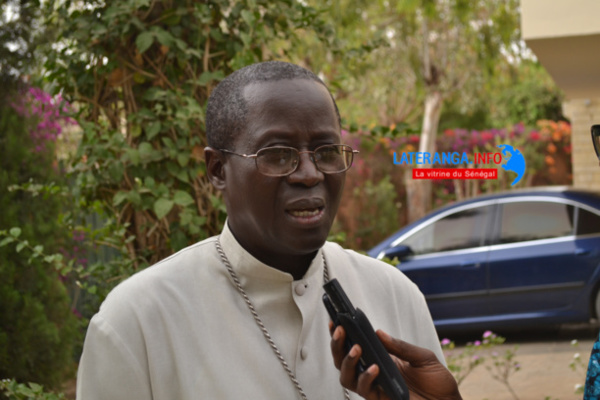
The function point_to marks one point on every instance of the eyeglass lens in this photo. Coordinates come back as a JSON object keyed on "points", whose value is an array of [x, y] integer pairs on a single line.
{"points": [[278, 161]]}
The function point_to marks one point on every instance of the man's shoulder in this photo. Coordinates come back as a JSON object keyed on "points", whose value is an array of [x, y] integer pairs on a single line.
{"points": [[175, 272], [360, 259], [362, 265]]}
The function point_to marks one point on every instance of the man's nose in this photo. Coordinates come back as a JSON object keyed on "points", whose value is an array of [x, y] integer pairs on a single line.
{"points": [[307, 172]]}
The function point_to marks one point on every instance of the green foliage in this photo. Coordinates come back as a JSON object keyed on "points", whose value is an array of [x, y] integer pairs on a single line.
{"points": [[380, 212], [37, 328], [485, 351], [502, 366], [527, 95], [140, 73], [32, 391]]}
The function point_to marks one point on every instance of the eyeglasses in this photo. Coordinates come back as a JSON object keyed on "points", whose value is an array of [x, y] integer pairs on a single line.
{"points": [[596, 139], [282, 160]]}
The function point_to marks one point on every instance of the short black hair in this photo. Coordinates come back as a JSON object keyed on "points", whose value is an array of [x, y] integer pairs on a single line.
{"points": [[227, 110]]}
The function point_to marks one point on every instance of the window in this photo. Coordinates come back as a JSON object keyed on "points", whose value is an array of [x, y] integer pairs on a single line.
{"points": [[461, 230], [587, 222], [535, 220]]}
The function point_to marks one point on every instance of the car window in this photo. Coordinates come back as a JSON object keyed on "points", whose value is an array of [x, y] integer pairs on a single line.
{"points": [[587, 222], [535, 220], [461, 230]]}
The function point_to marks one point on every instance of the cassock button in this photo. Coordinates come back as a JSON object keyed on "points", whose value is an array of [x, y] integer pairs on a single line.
{"points": [[301, 288], [304, 353]]}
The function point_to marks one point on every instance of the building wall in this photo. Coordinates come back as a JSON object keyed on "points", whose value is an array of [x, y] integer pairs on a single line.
{"points": [[565, 37], [584, 113]]}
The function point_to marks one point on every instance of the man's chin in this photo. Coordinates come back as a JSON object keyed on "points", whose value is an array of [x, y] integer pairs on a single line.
{"points": [[306, 246]]}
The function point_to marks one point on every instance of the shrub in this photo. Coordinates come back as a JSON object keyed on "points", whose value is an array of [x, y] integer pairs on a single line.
{"points": [[37, 327]]}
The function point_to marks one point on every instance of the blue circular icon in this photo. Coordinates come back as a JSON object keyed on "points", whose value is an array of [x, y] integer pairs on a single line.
{"points": [[515, 162]]}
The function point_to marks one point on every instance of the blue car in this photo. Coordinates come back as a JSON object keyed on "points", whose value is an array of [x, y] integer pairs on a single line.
{"points": [[517, 259]]}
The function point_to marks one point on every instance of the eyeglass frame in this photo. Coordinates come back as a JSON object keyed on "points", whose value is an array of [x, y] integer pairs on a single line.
{"points": [[596, 139], [255, 156]]}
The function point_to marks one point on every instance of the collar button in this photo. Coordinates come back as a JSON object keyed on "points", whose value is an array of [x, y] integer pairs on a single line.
{"points": [[300, 288]]}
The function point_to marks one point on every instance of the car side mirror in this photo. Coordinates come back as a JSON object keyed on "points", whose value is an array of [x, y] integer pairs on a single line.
{"points": [[400, 251]]}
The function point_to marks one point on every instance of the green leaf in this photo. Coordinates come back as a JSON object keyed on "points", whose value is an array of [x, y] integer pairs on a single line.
{"points": [[248, 17], [181, 45], [153, 130], [164, 37], [183, 159], [15, 232], [23, 390], [183, 198], [36, 387], [144, 41], [178, 172], [134, 197], [136, 130], [185, 217], [149, 182], [208, 76], [246, 38], [38, 249], [146, 151], [134, 156], [6, 241], [168, 142], [162, 207], [22, 245]]}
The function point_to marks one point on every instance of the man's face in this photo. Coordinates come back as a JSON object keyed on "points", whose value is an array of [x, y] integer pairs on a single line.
{"points": [[276, 218]]}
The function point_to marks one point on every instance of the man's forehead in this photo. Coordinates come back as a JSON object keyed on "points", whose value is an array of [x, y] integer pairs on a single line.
{"points": [[259, 90], [279, 108]]}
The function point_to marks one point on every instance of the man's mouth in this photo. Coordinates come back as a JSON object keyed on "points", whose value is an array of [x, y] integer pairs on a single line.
{"points": [[307, 213]]}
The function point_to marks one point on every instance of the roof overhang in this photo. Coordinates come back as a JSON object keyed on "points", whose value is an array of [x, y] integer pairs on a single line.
{"points": [[565, 37]]}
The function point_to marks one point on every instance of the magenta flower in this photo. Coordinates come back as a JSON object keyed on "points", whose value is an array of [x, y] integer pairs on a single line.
{"points": [[445, 342], [487, 334], [534, 135], [49, 112]]}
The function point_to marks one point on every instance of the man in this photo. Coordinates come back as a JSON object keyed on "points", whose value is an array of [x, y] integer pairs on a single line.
{"points": [[240, 315]]}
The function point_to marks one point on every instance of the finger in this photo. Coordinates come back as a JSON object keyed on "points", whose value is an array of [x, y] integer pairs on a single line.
{"points": [[337, 346], [416, 356], [348, 375], [365, 386]]}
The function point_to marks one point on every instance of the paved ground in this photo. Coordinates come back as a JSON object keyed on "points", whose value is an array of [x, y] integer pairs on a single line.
{"points": [[545, 372]]}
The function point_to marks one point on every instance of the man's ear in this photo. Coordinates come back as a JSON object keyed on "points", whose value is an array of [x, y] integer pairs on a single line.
{"points": [[215, 163]]}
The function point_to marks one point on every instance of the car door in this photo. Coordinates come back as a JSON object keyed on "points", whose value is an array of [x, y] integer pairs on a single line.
{"points": [[449, 260], [535, 268]]}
